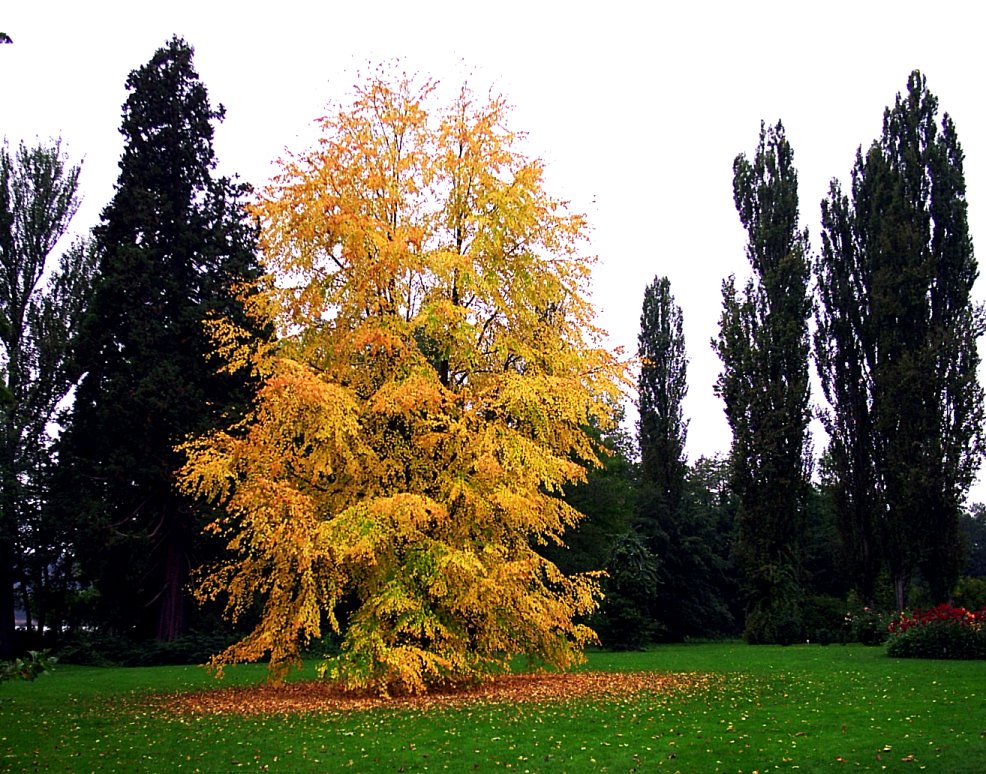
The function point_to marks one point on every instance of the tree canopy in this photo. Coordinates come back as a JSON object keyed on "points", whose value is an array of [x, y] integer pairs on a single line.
{"points": [[764, 346], [662, 385], [41, 303], [173, 243], [896, 349], [429, 398]]}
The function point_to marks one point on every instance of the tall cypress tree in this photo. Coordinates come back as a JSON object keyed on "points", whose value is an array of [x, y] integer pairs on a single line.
{"points": [[763, 343], [172, 245], [896, 348]]}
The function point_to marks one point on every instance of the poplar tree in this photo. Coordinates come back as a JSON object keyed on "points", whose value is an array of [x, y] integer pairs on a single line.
{"points": [[41, 301], [896, 349], [763, 343], [662, 431], [662, 428]]}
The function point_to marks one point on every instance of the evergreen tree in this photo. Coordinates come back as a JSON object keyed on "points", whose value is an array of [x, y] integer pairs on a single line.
{"points": [[606, 499], [763, 343], [710, 602], [39, 313], [172, 246], [896, 348], [605, 540]]}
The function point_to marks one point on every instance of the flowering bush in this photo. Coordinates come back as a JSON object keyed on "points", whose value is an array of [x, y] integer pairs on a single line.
{"points": [[941, 632]]}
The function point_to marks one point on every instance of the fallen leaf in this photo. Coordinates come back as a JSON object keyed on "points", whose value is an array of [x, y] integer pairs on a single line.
{"points": [[323, 696]]}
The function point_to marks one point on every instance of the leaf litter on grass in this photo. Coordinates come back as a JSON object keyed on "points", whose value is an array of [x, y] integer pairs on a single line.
{"points": [[321, 696]]}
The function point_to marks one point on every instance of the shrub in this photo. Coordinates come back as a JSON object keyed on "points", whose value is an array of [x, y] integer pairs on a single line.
{"points": [[825, 636], [27, 668], [941, 632], [822, 618], [107, 649], [865, 625], [774, 623], [970, 593]]}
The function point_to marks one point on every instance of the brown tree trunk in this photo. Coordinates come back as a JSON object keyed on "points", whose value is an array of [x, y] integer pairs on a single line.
{"points": [[171, 621]]}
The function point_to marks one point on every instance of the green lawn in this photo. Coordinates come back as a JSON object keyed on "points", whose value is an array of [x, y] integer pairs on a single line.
{"points": [[808, 708]]}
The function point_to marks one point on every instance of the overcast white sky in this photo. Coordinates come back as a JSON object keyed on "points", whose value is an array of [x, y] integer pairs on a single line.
{"points": [[638, 108]]}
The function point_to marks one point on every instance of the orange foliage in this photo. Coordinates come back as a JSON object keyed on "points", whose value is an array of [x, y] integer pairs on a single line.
{"points": [[423, 408]]}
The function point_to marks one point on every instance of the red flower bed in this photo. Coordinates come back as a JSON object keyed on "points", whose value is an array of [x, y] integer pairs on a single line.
{"points": [[943, 612], [941, 632]]}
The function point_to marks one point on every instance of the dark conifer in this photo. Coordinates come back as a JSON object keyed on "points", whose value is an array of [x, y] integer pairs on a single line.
{"points": [[172, 246]]}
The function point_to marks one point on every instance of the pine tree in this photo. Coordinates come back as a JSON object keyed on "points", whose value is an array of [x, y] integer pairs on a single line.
{"points": [[763, 343], [896, 349], [173, 244]]}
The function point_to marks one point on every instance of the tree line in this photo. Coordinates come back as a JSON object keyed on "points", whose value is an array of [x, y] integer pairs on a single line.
{"points": [[753, 542], [171, 414], [93, 532], [894, 345]]}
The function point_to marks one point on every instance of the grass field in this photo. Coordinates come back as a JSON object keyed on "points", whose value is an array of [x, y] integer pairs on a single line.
{"points": [[805, 708]]}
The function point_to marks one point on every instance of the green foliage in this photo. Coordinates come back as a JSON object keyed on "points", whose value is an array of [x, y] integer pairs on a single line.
{"points": [[823, 561], [864, 624], [625, 621], [970, 593], [108, 649], [938, 640], [823, 619], [606, 499], [896, 350], [972, 525], [36, 663], [698, 587], [41, 302], [661, 429], [173, 245], [673, 515], [763, 345], [774, 618]]}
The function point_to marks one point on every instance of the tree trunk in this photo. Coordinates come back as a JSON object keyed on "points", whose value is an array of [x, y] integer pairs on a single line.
{"points": [[171, 622], [28, 612], [7, 647], [900, 590]]}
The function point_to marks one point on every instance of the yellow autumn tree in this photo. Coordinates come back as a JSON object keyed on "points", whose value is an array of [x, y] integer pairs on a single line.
{"points": [[422, 409]]}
